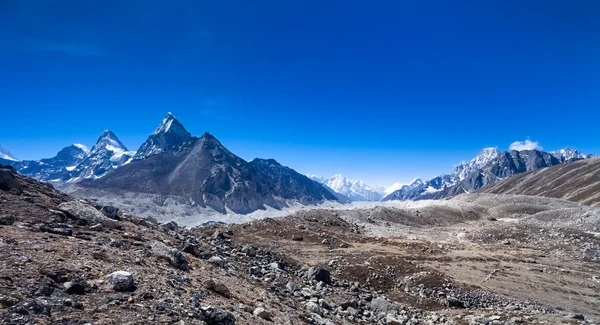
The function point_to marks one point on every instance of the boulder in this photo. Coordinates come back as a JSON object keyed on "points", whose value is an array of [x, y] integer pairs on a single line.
{"points": [[87, 213], [110, 212], [215, 316], [174, 256], [262, 313], [121, 281], [76, 287], [249, 250], [6, 220], [319, 274], [217, 287], [8, 180]]}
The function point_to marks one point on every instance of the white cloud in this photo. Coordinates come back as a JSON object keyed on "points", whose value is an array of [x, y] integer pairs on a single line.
{"points": [[525, 145]]}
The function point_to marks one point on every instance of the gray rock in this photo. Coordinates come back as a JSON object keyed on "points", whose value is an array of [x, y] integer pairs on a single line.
{"points": [[380, 305], [8, 181], [319, 274], [91, 216], [217, 287], [318, 320], [121, 281], [292, 287], [314, 308], [175, 257], [97, 227], [249, 251], [262, 313], [217, 261], [215, 316], [110, 212], [6, 220], [76, 287]]}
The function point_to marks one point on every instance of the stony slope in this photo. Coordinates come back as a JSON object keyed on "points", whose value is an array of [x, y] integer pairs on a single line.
{"points": [[73, 262], [578, 181]]}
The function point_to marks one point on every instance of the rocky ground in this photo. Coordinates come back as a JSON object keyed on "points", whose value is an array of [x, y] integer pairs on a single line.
{"points": [[472, 260]]}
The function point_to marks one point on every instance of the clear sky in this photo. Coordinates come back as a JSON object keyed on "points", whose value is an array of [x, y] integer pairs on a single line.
{"points": [[381, 91]]}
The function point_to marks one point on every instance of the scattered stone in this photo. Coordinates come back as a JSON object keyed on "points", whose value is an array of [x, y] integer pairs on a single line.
{"points": [[6, 220], [249, 250], [174, 256], [214, 316], [217, 261], [76, 287], [319, 274], [57, 229], [45, 290], [292, 287], [314, 308], [297, 238], [121, 281], [110, 212], [262, 313], [96, 227], [217, 287]]}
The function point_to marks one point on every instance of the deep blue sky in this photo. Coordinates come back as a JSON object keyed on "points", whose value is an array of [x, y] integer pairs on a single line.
{"points": [[377, 90]]}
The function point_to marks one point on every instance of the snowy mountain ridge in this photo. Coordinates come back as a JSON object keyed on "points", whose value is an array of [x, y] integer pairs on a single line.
{"points": [[355, 190], [6, 155], [489, 166]]}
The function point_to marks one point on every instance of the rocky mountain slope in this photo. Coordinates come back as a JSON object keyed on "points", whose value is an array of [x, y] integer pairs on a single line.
{"points": [[68, 261], [490, 166], [578, 181], [57, 168], [354, 190], [203, 172]]}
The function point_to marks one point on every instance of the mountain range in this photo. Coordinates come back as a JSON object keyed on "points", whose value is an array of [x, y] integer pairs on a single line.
{"points": [[76, 162], [490, 166], [200, 171], [354, 190], [173, 163]]}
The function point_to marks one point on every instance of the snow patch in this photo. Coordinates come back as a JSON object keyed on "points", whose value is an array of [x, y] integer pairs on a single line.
{"points": [[82, 147]]}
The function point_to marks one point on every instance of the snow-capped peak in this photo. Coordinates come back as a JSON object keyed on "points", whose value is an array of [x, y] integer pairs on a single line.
{"points": [[354, 189], [5, 154], [170, 124], [568, 154], [393, 188], [485, 156], [82, 147]]}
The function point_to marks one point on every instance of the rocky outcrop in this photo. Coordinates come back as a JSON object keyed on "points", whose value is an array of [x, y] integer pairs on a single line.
{"points": [[81, 211]]}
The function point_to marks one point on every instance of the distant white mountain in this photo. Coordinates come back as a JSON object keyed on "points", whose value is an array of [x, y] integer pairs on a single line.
{"points": [[5, 154], [355, 190], [107, 154], [490, 166]]}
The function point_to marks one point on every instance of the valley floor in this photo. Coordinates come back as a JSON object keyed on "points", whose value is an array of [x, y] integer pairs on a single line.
{"points": [[475, 259]]}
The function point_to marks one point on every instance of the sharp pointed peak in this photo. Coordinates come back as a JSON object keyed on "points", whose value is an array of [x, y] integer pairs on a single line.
{"points": [[171, 124]]}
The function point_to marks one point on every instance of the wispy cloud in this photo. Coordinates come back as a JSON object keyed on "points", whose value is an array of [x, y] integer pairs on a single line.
{"points": [[525, 145], [72, 49]]}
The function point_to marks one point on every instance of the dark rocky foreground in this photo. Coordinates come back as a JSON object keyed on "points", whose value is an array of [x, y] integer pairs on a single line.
{"points": [[68, 261]]}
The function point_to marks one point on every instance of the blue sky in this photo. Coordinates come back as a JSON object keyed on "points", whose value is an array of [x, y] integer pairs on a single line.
{"points": [[376, 90]]}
